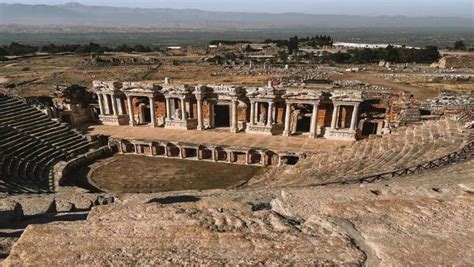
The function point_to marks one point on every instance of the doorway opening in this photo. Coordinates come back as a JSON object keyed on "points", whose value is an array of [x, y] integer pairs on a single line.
{"points": [[222, 116]]}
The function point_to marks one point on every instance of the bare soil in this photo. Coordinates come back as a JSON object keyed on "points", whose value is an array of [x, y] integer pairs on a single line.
{"points": [[141, 174], [420, 92]]}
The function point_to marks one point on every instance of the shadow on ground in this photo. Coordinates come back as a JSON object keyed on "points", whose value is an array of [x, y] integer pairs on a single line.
{"points": [[174, 199]]}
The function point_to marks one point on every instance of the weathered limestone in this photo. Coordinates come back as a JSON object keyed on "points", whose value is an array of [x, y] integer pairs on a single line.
{"points": [[35, 150], [310, 98], [109, 95], [256, 110], [234, 155], [342, 100], [263, 103]]}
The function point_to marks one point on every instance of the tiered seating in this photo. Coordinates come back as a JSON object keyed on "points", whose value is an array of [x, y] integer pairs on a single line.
{"points": [[406, 147], [31, 144]]}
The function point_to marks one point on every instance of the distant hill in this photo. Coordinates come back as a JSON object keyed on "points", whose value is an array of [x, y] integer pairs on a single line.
{"points": [[81, 15]]}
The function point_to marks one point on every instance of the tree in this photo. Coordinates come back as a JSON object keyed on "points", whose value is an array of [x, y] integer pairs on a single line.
{"points": [[293, 45], [459, 45]]}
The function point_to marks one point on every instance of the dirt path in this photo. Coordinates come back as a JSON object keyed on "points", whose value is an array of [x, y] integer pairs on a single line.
{"points": [[420, 92]]}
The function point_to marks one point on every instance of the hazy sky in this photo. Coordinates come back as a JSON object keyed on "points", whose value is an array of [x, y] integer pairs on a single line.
{"points": [[460, 8]]}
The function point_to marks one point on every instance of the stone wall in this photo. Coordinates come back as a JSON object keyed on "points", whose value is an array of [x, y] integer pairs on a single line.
{"points": [[461, 61], [403, 108], [63, 168]]}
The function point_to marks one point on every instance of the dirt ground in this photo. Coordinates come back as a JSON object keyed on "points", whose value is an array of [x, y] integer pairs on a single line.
{"points": [[141, 174], [36, 76], [420, 92]]}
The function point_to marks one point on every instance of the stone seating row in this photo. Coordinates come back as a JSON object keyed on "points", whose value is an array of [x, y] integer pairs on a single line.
{"points": [[19, 115], [31, 144], [406, 147]]}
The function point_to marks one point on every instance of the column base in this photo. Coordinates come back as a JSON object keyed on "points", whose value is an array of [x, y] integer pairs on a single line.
{"points": [[313, 135], [234, 130], [341, 134], [286, 134], [114, 119]]}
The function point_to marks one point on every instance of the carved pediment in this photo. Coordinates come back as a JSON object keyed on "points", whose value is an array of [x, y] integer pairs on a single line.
{"points": [[106, 86]]}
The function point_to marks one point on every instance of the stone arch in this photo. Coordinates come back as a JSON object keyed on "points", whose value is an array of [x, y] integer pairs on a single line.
{"points": [[173, 150], [221, 154], [255, 157], [271, 158], [115, 146], [158, 149], [206, 153], [127, 146]]}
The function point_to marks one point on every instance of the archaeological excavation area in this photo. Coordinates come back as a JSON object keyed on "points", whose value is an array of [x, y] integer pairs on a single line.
{"points": [[151, 174]]}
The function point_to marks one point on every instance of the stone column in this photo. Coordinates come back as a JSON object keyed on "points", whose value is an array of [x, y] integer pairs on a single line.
{"points": [[199, 153], [247, 158], [130, 111], [252, 113], [183, 109], [168, 108], [257, 111], [234, 126], [211, 114], [355, 115], [152, 111], [229, 156], [314, 121], [120, 148], [114, 104], [338, 116], [199, 113], [270, 114], [286, 132], [335, 112], [182, 152], [214, 155], [118, 102], [107, 105], [100, 98], [151, 150]]}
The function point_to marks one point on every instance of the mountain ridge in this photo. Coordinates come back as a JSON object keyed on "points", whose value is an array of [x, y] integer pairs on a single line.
{"points": [[70, 14]]}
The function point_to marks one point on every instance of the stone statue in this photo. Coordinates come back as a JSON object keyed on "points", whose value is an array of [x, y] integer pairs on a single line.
{"points": [[263, 117], [178, 114]]}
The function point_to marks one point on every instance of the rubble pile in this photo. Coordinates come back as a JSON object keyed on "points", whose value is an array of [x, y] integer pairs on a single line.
{"points": [[359, 85], [448, 103]]}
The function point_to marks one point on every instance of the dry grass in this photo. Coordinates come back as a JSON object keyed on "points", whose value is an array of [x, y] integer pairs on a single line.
{"points": [[38, 75]]}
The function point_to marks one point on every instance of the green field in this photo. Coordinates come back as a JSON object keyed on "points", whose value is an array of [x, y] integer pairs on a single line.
{"points": [[412, 37]]}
